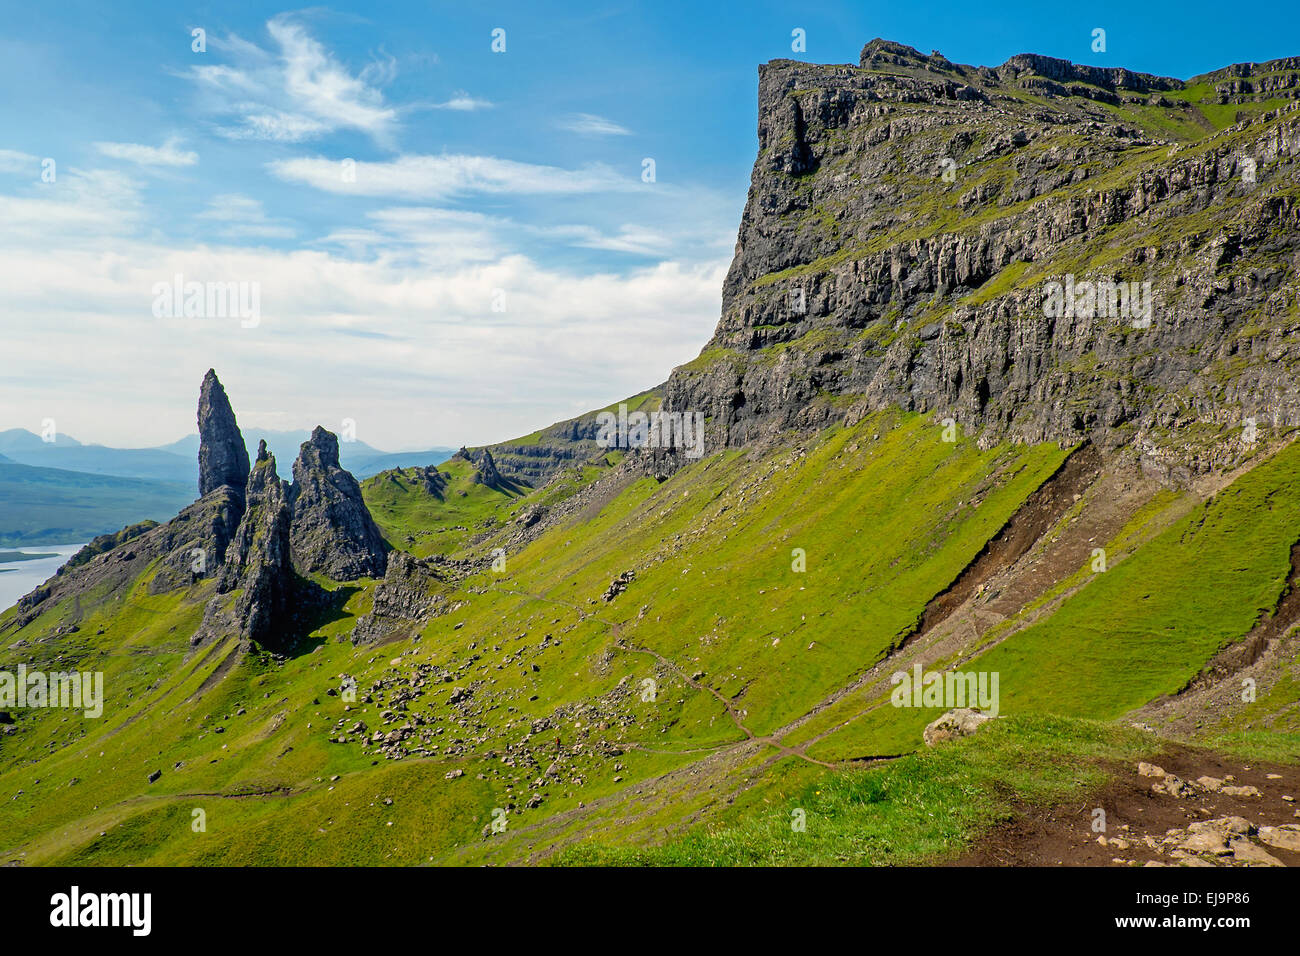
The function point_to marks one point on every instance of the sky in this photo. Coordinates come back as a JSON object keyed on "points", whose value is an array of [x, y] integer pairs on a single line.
{"points": [[446, 223]]}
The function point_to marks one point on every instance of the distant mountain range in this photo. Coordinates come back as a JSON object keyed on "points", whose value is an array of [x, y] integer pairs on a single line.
{"points": [[356, 456], [65, 491], [176, 461]]}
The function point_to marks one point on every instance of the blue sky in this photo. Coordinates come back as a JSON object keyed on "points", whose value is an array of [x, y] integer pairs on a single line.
{"points": [[496, 263]]}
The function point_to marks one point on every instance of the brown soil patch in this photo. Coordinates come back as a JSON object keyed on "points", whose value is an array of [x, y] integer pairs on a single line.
{"points": [[1062, 835]]}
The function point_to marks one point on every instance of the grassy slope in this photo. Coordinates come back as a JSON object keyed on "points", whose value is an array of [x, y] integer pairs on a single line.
{"points": [[887, 514], [723, 528]]}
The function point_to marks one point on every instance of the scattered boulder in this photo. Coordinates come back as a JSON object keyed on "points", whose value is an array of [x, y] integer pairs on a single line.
{"points": [[961, 722], [1174, 786], [619, 585], [1285, 837]]}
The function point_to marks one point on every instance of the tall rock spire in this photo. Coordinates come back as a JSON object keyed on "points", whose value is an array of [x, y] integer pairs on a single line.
{"points": [[223, 459], [332, 530]]}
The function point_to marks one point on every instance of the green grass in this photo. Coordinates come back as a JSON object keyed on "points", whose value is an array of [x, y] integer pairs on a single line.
{"points": [[886, 515], [1146, 626], [912, 811]]}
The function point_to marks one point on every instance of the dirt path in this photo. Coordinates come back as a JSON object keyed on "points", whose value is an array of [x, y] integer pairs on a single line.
{"points": [[1146, 827]]}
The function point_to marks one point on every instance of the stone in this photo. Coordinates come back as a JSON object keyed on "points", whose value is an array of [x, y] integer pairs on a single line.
{"points": [[485, 472], [223, 457], [1227, 826], [1233, 791], [1175, 786], [331, 531], [1286, 837], [1208, 841], [961, 722], [1246, 852], [402, 601], [258, 564], [1150, 770], [822, 258]]}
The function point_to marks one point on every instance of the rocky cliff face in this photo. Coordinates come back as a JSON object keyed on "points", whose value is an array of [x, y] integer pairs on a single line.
{"points": [[908, 217], [223, 458], [332, 531], [258, 561]]}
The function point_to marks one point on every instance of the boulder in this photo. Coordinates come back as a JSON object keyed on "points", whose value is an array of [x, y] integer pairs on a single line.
{"points": [[961, 722]]}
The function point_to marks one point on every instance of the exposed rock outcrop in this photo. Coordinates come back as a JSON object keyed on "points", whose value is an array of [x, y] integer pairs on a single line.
{"points": [[485, 472], [258, 562], [403, 600], [332, 532], [906, 217], [223, 457]]}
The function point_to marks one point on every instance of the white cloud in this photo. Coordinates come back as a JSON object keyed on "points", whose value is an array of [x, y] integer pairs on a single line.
{"points": [[277, 127], [439, 177], [588, 124], [297, 94], [12, 161], [630, 238], [166, 155], [403, 339], [463, 102], [81, 208], [243, 217]]}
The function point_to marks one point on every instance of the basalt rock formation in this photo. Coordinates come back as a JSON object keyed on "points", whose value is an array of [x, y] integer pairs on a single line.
{"points": [[258, 562], [223, 457], [907, 217], [332, 532], [246, 546], [485, 473], [402, 600]]}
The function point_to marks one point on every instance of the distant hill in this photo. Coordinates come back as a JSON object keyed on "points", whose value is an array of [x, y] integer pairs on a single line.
{"points": [[178, 461], [356, 456], [54, 506], [66, 453]]}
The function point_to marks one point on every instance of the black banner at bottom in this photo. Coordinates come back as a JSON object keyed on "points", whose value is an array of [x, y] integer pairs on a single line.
{"points": [[335, 906]]}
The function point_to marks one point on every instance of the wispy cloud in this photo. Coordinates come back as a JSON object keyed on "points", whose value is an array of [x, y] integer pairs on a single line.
{"points": [[243, 217], [297, 93], [166, 155], [13, 161], [463, 102], [85, 209], [634, 239], [439, 177], [588, 124]]}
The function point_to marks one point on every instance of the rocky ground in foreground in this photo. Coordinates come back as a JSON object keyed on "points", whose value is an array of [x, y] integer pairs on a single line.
{"points": [[1191, 808]]}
